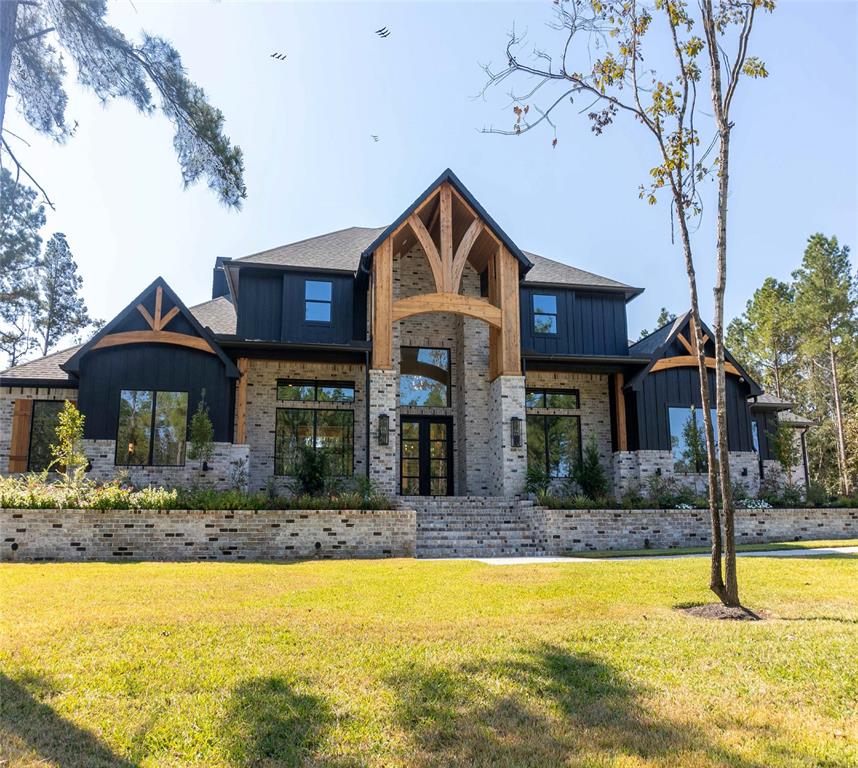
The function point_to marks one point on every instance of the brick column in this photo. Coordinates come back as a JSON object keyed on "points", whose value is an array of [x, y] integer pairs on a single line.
{"points": [[383, 459], [508, 464]]}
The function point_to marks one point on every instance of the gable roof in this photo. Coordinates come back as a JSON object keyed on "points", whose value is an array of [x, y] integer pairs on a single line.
{"points": [[552, 272], [41, 371], [72, 365], [218, 315], [451, 178], [664, 336]]}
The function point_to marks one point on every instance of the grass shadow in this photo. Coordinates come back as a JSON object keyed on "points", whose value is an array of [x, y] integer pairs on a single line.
{"points": [[542, 706], [28, 724], [271, 723]]}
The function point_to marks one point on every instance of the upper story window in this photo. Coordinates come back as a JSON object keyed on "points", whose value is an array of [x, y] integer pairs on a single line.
{"points": [[545, 313], [317, 301], [152, 428], [424, 376]]}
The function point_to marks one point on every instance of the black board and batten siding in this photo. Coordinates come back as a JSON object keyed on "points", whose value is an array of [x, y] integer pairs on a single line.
{"points": [[104, 373], [588, 323], [271, 308], [680, 387]]}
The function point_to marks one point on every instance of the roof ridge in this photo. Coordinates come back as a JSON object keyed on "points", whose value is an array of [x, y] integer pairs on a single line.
{"points": [[572, 266], [299, 242]]}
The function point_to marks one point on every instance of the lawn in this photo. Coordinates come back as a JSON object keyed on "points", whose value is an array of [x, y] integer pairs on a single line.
{"points": [[409, 663], [769, 547]]}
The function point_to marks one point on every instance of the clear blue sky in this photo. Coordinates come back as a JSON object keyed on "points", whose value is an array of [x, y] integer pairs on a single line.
{"points": [[305, 127]]}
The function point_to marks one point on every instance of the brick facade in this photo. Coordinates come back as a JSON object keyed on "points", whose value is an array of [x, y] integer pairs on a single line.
{"points": [[8, 396]]}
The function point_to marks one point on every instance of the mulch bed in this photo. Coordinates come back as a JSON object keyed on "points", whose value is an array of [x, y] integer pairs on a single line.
{"points": [[721, 612]]}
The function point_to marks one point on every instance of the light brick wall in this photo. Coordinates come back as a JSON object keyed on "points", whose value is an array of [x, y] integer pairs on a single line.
{"points": [[75, 534], [384, 461], [508, 465], [8, 396], [577, 530], [262, 405]]}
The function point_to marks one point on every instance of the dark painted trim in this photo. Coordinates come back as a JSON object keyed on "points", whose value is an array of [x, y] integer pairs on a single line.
{"points": [[629, 292], [447, 175], [42, 383]]}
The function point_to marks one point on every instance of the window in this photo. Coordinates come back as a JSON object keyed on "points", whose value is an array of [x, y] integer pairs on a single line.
{"points": [[43, 433], [755, 436], [424, 376], [152, 428], [553, 398], [316, 391], [317, 301], [331, 431], [544, 313], [553, 443], [688, 438]]}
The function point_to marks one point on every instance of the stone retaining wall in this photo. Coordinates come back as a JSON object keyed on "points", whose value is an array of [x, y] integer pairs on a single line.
{"points": [[578, 530], [91, 534]]}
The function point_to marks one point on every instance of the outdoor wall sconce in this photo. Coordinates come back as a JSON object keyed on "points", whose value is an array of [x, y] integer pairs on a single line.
{"points": [[515, 431], [383, 429], [744, 471], [658, 471]]}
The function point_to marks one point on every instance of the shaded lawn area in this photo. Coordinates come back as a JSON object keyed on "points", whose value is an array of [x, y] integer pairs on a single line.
{"points": [[769, 547], [409, 663]]}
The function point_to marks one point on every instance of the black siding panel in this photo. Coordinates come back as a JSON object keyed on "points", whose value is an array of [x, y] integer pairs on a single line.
{"points": [[104, 373], [260, 306]]}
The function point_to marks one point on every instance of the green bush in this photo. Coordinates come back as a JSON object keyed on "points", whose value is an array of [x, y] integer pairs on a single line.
{"points": [[589, 474], [312, 472], [668, 493], [537, 481], [201, 444]]}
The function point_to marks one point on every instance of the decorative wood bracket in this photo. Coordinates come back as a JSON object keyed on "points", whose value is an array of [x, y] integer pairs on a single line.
{"points": [[471, 306], [689, 361]]}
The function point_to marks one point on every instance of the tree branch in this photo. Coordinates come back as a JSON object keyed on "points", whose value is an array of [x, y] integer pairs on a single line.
{"points": [[34, 35], [22, 169]]}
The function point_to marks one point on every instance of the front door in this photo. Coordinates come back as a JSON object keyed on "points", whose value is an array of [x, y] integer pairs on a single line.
{"points": [[427, 456]]}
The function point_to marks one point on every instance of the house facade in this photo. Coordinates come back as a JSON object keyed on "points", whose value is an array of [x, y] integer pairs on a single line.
{"points": [[433, 356]]}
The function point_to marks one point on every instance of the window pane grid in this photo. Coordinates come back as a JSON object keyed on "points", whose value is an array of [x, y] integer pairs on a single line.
{"points": [[316, 391], [544, 313], [331, 431], [554, 443], [317, 301], [151, 428], [560, 399]]}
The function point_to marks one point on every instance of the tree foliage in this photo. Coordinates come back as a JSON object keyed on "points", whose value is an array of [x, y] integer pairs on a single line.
{"points": [[148, 73], [202, 433], [68, 454], [665, 316], [61, 309]]}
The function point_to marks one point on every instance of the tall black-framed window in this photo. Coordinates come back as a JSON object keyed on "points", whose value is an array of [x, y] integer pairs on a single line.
{"points": [[312, 391], [424, 376], [318, 298], [688, 437], [43, 433], [151, 428], [553, 443], [322, 429], [545, 313]]}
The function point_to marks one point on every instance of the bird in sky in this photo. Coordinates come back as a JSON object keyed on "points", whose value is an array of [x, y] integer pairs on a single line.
{"points": [[374, 137], [383, 32], [278, 56]]}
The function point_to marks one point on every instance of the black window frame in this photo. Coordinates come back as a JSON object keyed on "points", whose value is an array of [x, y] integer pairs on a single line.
{"points": [[546, 391], [555, 314], [153, 409], [61, 403], [449, 384], [315, 411], [701, 468], [316, 384], [330, 303], [545, 417]]}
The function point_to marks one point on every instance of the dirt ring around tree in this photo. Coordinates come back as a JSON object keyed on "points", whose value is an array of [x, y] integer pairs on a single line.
{"points": [[720, 612]]}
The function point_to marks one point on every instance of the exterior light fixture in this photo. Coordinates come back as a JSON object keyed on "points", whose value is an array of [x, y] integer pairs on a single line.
{"points": [[515, 431], [383, 429]]}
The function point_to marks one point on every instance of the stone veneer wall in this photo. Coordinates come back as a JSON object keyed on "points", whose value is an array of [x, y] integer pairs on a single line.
{"points": [[224, 468], [262, 405], [8, 396], [578, 530], [508, 465], [89, 534], [383, 459]]}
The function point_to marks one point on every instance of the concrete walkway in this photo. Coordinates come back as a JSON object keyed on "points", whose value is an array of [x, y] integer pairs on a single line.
{"points": [[771, 553]]}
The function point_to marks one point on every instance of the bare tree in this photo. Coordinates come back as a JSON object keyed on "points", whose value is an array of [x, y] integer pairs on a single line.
{"points": [[601, 58]]}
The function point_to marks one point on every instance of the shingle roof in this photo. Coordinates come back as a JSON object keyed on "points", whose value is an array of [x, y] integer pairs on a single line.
{"points": [[342, 250], [218, 315], [45, 368], [771, 403], [649, 344]]}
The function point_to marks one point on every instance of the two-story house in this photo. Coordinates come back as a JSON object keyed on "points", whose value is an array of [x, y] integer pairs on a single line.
{"points": [[433, 355]]}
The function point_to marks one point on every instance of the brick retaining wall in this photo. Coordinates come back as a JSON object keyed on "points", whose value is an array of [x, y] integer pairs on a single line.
{"points": [[92, 534], [577, 530]]}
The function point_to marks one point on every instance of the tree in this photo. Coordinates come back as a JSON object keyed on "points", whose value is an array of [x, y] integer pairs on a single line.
{"points": [[112, 66], [20, 222], [589, 474], [664, 317], [784, 448], [68, 454], [61, 310], [764, 338], [622, 79], [826, 293], [202, 434]]}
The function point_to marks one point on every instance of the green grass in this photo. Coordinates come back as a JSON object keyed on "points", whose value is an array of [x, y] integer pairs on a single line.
{"points": [[409, 663], [770, 547]]}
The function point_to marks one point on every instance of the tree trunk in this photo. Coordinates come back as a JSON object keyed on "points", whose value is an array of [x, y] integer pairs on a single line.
{"points": [[838, 421], [777, 371], [8, 14]]}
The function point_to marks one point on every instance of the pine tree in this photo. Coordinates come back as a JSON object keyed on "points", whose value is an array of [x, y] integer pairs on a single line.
{"points": [[111, 66]]}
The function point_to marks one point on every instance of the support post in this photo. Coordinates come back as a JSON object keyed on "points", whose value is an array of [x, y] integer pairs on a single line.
{"points": [[241, 402], [382, 306]]}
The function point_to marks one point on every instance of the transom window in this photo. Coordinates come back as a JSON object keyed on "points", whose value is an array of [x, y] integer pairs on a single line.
{"points": [[544, 313], [316, 391], [152, 428], [317, 301], [688, 438], [43, 433], [424, 376], [553, 398], [331, 431]]}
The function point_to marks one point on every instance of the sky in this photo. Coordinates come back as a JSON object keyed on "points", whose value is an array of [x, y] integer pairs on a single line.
{"points": [[305, 126]]}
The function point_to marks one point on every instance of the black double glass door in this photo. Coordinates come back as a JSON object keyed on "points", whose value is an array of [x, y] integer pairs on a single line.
{"points": [[426, 448]]}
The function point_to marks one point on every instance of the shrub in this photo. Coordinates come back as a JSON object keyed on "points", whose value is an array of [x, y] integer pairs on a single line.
{"points": [[537, 481], [633, 498], [311, 474], [69, 459], [667, 493], [202, 434], [589, 474]]}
